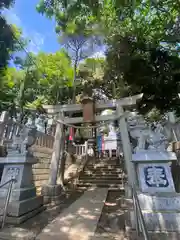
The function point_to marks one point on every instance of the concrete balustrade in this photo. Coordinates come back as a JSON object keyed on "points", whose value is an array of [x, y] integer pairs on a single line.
{"points": [[44, 140], [10, 129], [81, 149]]}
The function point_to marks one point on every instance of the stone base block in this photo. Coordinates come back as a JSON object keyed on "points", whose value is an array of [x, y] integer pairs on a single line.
{"points": [[51, 194], [175, 146], [131, 234], [19, 194], [23, 218], [19, 208], [160, 202], [159, 221], [52, 200]]}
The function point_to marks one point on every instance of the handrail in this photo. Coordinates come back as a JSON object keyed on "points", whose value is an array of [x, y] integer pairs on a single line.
{"points": [[140, 222], [11, 181], [174, 134]]}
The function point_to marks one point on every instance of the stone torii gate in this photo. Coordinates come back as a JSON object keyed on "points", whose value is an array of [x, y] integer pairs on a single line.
{"points": [[52, 191]]}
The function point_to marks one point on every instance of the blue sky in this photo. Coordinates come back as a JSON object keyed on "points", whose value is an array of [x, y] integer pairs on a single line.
{"points": [[39, 29]]}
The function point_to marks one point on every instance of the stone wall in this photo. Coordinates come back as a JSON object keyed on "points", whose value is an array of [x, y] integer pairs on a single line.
{"points": [[41, 169]]}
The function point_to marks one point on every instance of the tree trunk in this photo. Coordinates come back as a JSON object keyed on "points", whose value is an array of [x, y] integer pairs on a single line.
{"points": [[75, 76], [21, 99], [74, 86]]}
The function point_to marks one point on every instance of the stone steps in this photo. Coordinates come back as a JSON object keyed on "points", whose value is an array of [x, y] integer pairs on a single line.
{"points": [[105, 171], [83, 185], [102, 177], [103, 166], [94, 174], [101, 180], [95, 180], [102, 173]]}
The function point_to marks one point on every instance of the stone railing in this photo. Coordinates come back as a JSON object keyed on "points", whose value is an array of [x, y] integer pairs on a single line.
{"points": [[12, 132], [81, 149], [44, 140]]}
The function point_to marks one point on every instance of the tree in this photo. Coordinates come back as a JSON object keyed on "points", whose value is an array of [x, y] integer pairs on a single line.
{"points": [[158, 80], [138, 35], [9, 36], [70, 16], [91, 74], [78, 41], [55, 76], [79, 47], [10, 83], [11, 41], [41, 79]]}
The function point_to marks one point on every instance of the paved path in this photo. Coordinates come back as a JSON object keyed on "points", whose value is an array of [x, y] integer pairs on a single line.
{"points": [[79, 221]]}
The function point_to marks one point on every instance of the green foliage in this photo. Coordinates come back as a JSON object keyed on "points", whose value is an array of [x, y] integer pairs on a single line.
{"points": [[9, 36], [154, 72], [71, 16], [90, 75], [154, 115], [55, 75], [10, 82], [37, 103], [142, 40], [142, 53], [6, 42], [39, 79]]}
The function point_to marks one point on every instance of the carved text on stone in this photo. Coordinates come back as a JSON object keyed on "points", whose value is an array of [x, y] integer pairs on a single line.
{"points": [[12, 173], [155, 176]]}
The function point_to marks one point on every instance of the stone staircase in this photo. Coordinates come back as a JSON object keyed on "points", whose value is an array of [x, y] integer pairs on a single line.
{"points": [[103, 173], [114, 221]]}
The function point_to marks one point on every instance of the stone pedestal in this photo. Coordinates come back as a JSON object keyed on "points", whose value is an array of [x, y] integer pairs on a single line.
{"points": [[159, 202], [176, 146], [160, 211], [23, 201], [52, 194]]}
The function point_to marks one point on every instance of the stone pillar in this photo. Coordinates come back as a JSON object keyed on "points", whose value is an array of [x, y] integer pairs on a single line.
{"points": [[159, 202], [18, 163], [52, 192], [126, 149]]}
